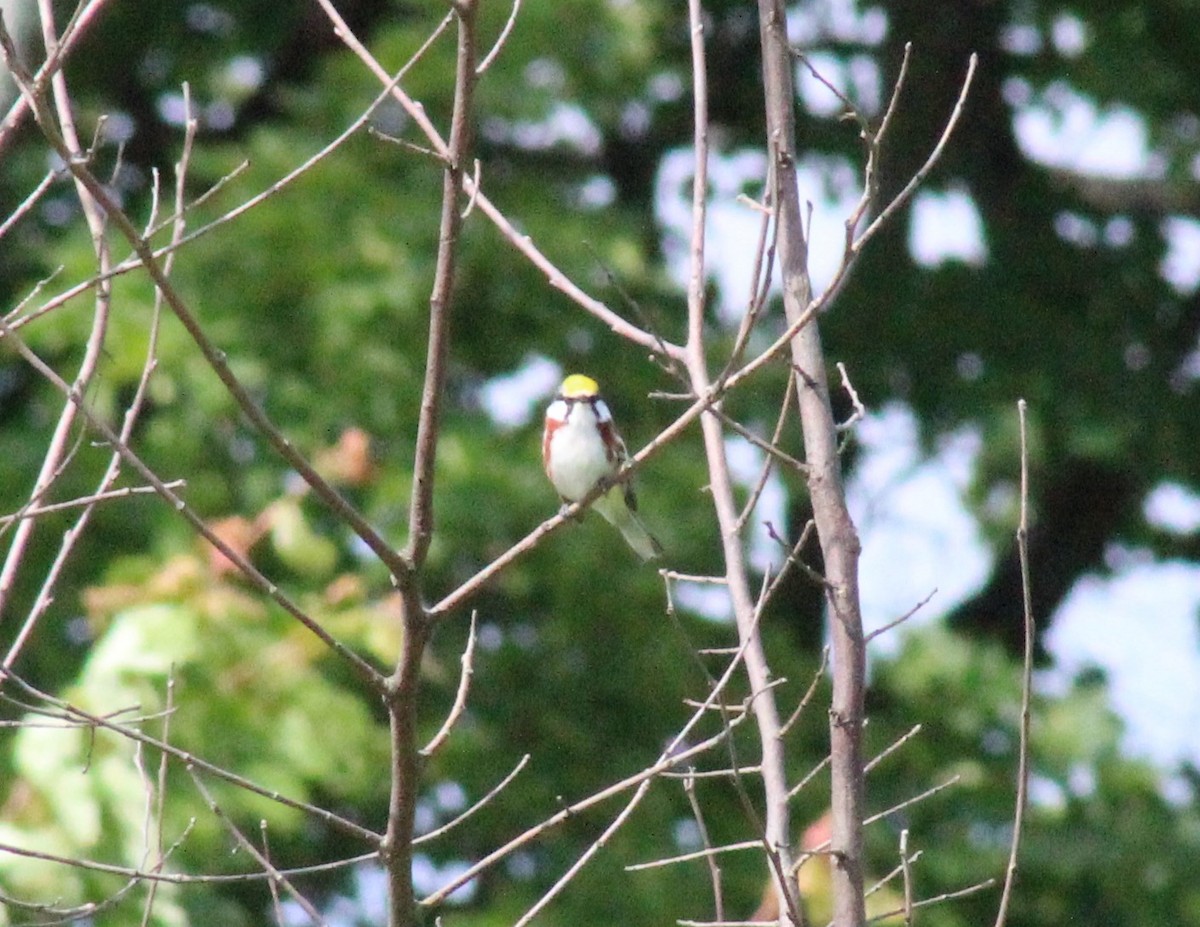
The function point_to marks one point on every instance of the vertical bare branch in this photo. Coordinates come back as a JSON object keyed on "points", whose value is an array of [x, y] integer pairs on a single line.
{"points": [[835, 529], [1010, 875], [57, 448], [45, 595], [403, 684], [420, 517], [714, 868], [776, 825]]}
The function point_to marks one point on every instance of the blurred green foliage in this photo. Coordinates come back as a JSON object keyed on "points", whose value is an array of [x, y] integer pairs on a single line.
{"points": [[319, 297]]}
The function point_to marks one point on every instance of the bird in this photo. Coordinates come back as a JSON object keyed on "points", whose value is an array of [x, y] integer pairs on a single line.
{"points": [[581, 448]]}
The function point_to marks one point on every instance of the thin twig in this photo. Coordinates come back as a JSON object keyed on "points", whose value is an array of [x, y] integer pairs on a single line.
{"points": [[916, 799], [808, 695], [937, 899], [713, 773], [523, 243], [366, 672], [924, 902], [135, 262], [1010, 874], [28, 203], [674, 754], [500, 39], [772, 448], [706, 853], [824, 845], [81, 20], [181, 878], [496, 790], [918, 178], [794, 553], [275, 877], [132, 733], [586, 856], [160, 860], [45, 595], [664, 763], [272, 883], [893, 747], [460, 697], [215, 357], [123, 493], [699, 578], [814, 305], [799, 786], [860, 411], [714, 868], [760, 277], [903, 618], [56, 450]]}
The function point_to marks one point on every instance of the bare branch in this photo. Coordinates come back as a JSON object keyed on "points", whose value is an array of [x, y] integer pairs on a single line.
{"points": [[275, 877], [584, 857], [811, 691], [664, 763], [775, 836], [674, 754], [706, 853], [860, 411], [835, 529], [919, 177], [500, 39], [808, 777], [365, 671], [916, 799], [772, 451], [83, 18], [135, 734], [714, 868], [27, 204], [937, 899], [903, 618], [107, 495], [179, 878], [57, 448], [403, 685], [1010, 874], [523, 243], [215, 357], [155, 848], [499, 787], [420, 519], [460, 697], [893, 747]]}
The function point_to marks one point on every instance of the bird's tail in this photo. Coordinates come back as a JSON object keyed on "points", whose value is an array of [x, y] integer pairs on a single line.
{"points": [[644, 544], [615, 510]]}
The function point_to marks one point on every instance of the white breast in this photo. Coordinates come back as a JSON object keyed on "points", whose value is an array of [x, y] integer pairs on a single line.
{"points": [[577, 455]]}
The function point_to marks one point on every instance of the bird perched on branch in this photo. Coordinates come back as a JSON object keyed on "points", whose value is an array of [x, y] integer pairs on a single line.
{"points": [[581, 448]]}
